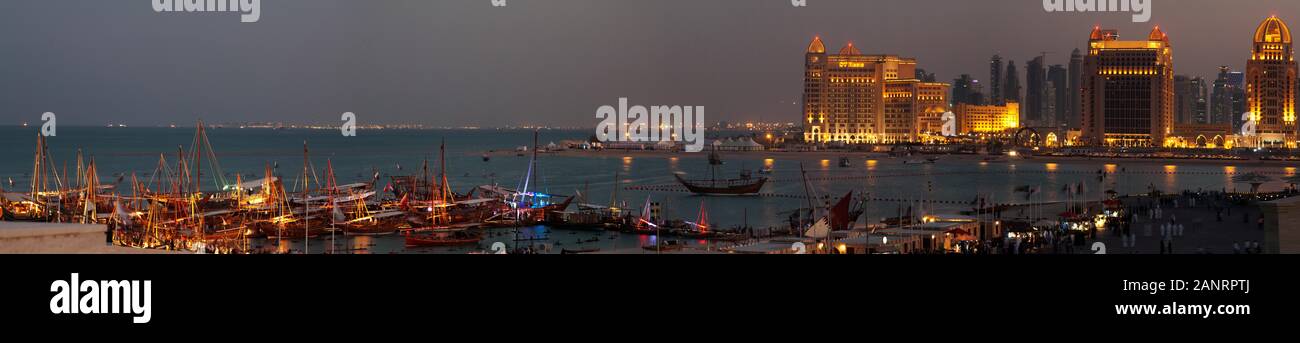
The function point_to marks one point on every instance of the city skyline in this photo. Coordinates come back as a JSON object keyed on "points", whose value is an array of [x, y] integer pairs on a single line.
{"points": [[469, 64]]}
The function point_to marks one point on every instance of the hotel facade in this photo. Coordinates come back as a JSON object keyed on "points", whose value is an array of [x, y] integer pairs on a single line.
{"points": [[987, 119], [1271, 86], [855, 98], [1127, 90]]}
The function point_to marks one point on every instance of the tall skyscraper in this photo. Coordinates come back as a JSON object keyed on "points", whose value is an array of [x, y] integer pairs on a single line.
{"points": [[995, 80], [1060, 101], [855, 98], [1228, 98], [1238, 81], [1035, 92], [1270, 85], [963, 90], [1011, 84], [1200, 114], [1128, 90], [1074, 99], [1220, 100], [925, 76], [1189, 100]]}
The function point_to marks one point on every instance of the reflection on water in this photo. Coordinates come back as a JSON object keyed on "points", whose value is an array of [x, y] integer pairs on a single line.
{"points": [[283, 246], [1171, 178], [361, 244], [871, 164]]}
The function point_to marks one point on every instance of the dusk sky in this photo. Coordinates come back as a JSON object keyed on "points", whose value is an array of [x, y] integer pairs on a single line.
{"points": [[548, 62]]}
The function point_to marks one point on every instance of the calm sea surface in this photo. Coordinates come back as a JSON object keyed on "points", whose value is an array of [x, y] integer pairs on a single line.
{"points": [[122, 151]]}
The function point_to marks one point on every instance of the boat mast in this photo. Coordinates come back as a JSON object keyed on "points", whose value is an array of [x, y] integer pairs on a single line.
{"points": [[613, 198], [36, 175], [306, 204], [198, 159], [330, 187]]}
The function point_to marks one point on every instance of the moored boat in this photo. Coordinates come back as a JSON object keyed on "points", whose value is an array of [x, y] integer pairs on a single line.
{"points": [[740, 186]]}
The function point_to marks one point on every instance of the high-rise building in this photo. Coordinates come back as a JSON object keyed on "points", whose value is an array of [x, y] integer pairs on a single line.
{"points": [[1228, 98], [963, 90], [1035, 92], [855, 98], [1200, 112], [1238, 81], [1060, 99], [992, 119], [925, 76], [1270, 85], [978, 96], [1189, 100], [1184, 100], [1074, 100], [995, 80], [1011, 84], [1128, 90], [1220, 100]]}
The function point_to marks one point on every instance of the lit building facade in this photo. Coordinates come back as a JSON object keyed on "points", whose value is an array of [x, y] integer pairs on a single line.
{"points": [[855, 98], [1128, 90], [992, 119], [1270, 85]]}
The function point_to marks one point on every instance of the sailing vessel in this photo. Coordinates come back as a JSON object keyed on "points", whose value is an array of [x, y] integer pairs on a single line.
{"points": [[745, 184], [441, 230]]}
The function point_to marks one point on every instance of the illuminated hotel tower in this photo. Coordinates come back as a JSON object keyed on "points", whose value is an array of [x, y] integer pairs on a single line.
{"points": [[1128, 90], [1270, 85], [855, 98]]}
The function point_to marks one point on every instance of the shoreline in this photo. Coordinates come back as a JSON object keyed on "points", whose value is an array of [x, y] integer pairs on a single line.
{"points": [[835, 155]]}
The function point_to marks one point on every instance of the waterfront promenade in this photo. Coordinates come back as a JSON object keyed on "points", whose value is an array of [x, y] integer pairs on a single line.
{"points": [[1210, 227]]}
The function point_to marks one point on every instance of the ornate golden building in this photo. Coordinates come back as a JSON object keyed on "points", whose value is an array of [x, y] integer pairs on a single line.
{"points": [[1128, 90], [855, 98], [994, 119], [1271, 86]]}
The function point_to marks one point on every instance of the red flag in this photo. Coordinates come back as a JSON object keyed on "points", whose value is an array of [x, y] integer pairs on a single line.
{"points": [[840, 213]]}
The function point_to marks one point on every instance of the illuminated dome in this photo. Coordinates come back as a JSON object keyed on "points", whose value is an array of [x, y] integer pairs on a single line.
{"points": [[817, 47], [1273, 30], [1157, 35], [1096, 33], [850, 50]]}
